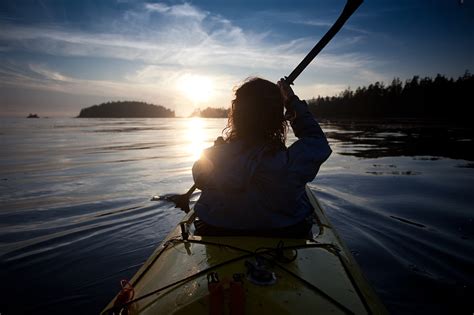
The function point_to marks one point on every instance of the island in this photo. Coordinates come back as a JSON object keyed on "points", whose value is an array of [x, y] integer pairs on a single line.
{"points": [[126, 109], [32, 116], [211, 112]]}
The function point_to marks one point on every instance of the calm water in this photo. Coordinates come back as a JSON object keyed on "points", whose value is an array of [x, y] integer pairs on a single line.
{"points": [[76, 218]]}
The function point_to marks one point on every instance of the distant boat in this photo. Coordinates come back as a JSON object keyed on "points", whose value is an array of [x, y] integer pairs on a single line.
{"points": [[32, 116]]}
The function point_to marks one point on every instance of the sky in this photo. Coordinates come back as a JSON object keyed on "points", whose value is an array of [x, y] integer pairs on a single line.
{"points": [[57, 57]]}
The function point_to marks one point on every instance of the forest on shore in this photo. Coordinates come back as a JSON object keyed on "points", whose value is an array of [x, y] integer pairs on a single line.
{"points": [[417, 98], [125, 109], [210, 112]]}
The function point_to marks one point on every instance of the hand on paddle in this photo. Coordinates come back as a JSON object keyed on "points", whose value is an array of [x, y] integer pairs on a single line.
{"points": [[288, 96], [286, 91]]}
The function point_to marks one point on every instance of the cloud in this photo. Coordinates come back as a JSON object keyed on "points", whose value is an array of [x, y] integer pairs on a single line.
{"points": [[167, 43], [181, 10], [38, 76], [319, 23], [215, 42], [326, 25], [48, 74], [158, 7]]}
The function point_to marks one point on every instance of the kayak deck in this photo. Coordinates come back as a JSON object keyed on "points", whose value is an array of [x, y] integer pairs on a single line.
{"points": [[323, 277]]}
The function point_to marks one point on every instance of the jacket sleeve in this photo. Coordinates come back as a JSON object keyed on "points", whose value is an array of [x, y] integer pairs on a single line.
{"points": [[202, 170], [306, 155]]}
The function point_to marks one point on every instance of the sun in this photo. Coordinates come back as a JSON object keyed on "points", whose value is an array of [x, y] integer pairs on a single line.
{"points": [[197, 88]]}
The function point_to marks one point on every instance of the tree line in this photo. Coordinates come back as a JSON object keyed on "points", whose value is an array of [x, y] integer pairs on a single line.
{"points": [[418, 98], [211, 112]]}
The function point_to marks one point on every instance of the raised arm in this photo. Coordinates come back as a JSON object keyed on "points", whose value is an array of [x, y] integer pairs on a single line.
{"points": [[306, 155]]}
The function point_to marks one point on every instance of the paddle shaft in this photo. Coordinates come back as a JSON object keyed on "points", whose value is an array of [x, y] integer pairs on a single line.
{"points": [[191, 190], [349, 9]]}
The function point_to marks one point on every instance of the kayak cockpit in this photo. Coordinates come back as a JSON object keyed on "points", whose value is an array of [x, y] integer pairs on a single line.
{"points": [[188, 229]]}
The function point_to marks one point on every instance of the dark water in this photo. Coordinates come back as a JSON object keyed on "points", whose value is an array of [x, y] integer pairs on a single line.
{"points": [[75, 214]]}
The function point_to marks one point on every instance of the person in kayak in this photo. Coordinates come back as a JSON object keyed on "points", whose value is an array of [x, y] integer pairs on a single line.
{"points": [[251, 183]]}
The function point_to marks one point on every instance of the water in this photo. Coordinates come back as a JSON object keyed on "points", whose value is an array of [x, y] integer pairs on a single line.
{"points": [[76, 218]]}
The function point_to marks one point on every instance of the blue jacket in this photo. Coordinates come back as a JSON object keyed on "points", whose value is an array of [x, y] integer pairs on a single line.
{"points": [[258, 188]]}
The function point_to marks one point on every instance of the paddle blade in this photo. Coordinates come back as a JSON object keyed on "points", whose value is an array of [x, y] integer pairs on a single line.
{"points": [[180, 201]]}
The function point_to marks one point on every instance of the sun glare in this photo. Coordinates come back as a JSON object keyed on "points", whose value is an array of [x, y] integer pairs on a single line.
{"points": [[197, 137], [197, 88]]}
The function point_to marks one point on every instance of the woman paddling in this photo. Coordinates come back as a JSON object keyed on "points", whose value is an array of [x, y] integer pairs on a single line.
{"points": [[251, 183]]}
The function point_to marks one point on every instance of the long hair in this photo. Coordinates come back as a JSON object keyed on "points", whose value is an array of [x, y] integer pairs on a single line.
{"points": [[256, 116]]}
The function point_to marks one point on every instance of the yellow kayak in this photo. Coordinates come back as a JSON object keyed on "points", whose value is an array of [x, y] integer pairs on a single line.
{"points": [[189, 274]]}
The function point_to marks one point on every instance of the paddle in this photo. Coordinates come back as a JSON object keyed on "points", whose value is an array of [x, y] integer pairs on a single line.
{"points": [[182, 201], [350, 7]]}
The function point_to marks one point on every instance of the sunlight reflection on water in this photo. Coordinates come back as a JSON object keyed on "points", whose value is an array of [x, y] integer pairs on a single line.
{"points": [[198, 137]]}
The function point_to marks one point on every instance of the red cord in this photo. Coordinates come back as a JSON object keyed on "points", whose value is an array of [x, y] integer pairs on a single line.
{"points": [[126, 294]]}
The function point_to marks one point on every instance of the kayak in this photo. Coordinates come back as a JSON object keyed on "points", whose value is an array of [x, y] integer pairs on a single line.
{"points": [[190, 274]]}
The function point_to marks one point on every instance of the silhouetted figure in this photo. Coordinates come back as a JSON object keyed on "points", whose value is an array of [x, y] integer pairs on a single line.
{"points": [[251, 183]]}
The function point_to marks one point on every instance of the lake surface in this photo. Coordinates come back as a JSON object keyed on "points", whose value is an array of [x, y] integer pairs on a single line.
{"points": [[75, 214]]}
